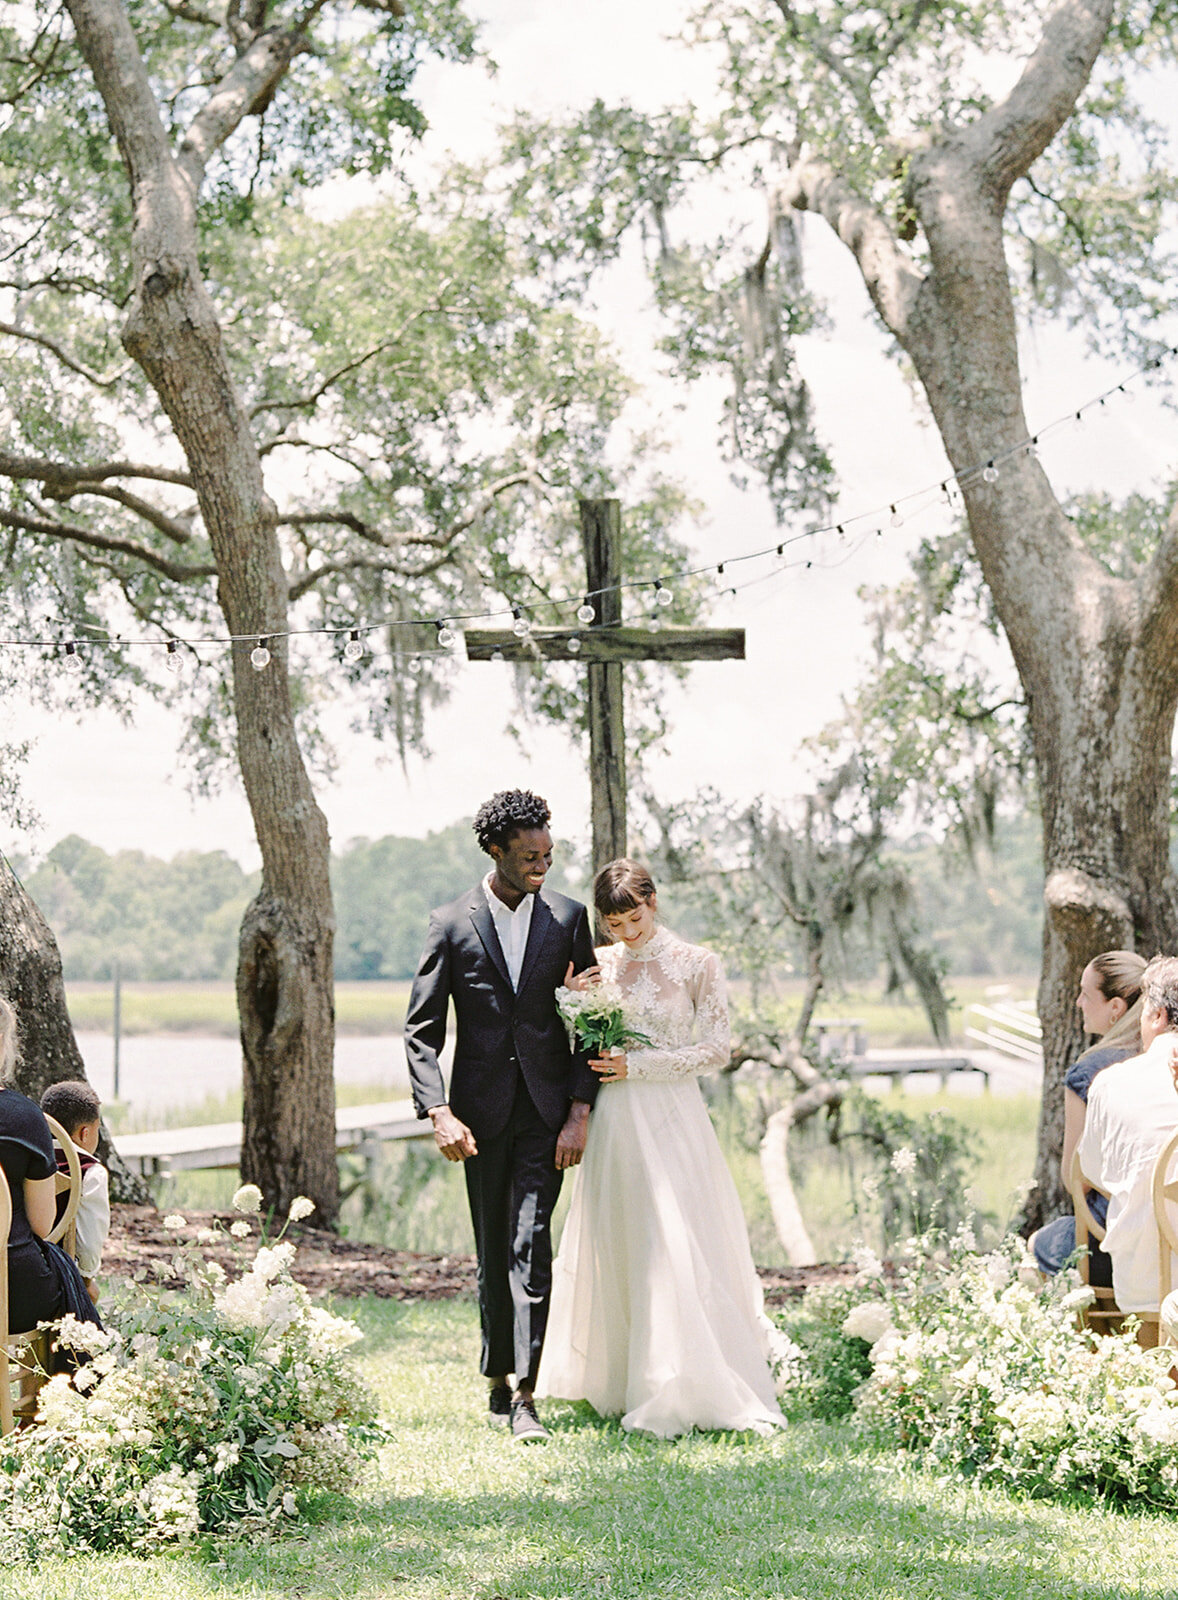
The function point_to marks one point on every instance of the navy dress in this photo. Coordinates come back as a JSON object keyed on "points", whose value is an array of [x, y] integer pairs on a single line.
{"points": [[35, 1291]]}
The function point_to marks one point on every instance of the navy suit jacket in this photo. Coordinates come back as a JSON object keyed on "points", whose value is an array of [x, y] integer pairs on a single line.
{"points": [[501, 1031]]}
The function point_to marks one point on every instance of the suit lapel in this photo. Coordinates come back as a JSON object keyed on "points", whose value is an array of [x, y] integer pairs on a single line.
{"points": [[542, 921], [484, 924]]}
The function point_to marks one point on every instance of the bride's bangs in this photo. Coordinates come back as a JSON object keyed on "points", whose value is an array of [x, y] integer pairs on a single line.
{"points": [[623, 885]]}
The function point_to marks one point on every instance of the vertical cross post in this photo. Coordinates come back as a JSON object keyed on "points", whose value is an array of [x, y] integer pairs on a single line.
{"points": [[601, 536]]}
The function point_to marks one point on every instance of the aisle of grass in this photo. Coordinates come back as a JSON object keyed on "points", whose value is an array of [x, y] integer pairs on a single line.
{"points": [[457, 1512]]}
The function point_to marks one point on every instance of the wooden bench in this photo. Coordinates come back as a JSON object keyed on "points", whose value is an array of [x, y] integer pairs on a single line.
{"points": [[898, 1067]]}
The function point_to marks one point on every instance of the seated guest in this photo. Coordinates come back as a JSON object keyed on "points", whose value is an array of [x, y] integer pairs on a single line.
{"points": [[77, 1107], [43, 1282], [1132, 1111], [1110, 1003]]}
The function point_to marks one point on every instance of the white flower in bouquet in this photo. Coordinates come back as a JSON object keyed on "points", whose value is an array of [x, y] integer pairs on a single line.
{"points": [[597, 1018], [300, 1207], [869, 1320], [248, 1198]]}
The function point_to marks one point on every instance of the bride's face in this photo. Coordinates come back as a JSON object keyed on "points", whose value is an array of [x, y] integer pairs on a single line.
{"points": [[632, 928]]}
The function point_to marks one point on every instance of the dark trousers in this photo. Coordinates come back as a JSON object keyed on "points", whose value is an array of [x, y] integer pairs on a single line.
{"points": [[512, 1185]]}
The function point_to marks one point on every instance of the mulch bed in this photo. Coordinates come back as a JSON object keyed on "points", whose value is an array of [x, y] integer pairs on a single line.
{"points": [[348, 1269]]}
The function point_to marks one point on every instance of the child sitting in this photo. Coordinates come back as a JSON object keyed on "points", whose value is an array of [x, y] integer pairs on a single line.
{"points": [[76, 1106]]}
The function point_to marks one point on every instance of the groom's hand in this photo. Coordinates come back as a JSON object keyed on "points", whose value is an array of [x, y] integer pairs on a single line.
{"points": [[570, 1144], [453, 1138], [583, 980]]}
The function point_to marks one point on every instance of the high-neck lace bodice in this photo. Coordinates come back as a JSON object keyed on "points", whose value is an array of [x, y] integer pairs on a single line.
{"points": [[675, 994]]}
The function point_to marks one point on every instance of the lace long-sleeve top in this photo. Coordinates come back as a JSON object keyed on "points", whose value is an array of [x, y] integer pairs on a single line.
{"points": [[675, 994]]}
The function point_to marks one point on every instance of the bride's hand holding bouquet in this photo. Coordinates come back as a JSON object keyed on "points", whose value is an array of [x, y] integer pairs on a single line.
{"points": [[596, 1018]]}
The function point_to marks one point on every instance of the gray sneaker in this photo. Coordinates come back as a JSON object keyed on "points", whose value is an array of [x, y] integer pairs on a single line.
{"points": [[499, 1405], [525, 1424]]}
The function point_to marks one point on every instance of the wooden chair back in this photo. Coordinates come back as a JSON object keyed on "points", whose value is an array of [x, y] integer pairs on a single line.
{"points": [[1103, 1315], [1165, 1210], [70, 1182]]}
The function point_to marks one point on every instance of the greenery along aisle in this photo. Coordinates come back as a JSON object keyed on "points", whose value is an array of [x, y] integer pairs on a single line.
{"points": [[971, 1360], [211, 1408], [454, 1511]]}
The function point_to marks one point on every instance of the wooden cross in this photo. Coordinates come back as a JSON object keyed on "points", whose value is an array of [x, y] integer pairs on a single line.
{"points": [[604, 644]]}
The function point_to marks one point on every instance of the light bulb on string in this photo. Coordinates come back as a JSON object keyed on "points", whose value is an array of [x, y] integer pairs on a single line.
{"points": [[497, 655], [989, 473], [414, 665], [574, 645], [260, 656], [354, 648], [172, 660], [72, 661], [1126, 394], [445, 633], [586, 612], [522, 626], [897, 519], [654, 623], [662, 595]]}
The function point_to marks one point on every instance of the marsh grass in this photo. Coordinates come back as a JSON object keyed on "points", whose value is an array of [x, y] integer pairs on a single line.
{"points": [[456, 1511], [210, 1009]]}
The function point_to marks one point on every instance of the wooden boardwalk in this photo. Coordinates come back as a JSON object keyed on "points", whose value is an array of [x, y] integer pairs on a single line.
{"points": [[218, 1144]]}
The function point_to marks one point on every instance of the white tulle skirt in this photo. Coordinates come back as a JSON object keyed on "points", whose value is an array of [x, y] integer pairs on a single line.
{"points": [[656, 1306]]}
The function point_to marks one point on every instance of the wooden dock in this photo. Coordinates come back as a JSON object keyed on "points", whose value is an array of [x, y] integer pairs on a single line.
{"points": [[218, 1144]]}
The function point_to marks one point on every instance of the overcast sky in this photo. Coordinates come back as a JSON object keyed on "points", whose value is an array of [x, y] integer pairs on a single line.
{"points": [[736, 726]]}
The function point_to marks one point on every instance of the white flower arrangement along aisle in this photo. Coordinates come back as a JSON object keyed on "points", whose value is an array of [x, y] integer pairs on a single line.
{"points": [[972, 1361], [211, 1408]]}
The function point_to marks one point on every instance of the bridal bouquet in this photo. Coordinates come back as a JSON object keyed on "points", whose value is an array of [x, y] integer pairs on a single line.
{"points": [[597, 1018]]}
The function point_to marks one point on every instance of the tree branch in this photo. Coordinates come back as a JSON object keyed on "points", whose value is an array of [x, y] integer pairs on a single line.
{"points": [[247, 87], [73, 534], [64, 357], [1003, 144], [174, 528], [893, 282], [57, 475]]}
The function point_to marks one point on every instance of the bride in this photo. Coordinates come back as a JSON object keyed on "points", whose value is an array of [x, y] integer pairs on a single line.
{"points": [[656, 1307]]}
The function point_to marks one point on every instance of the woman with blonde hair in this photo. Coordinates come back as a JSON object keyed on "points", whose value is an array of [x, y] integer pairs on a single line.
{"points": [[1110, 1003], [656, 1305]]}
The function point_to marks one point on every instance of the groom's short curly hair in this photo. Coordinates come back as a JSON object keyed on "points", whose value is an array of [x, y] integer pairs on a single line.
{"points": [[508, 812]]}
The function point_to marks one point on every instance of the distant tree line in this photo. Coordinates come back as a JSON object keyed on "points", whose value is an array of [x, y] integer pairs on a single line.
{"points": [[179, 919]]}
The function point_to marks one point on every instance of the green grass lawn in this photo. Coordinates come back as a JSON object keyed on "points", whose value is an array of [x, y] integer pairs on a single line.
{"points": [[457, 1512]]}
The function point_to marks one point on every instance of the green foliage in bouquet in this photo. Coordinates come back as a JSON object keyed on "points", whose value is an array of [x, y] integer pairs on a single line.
{"points": [[217, 1407], [597, 1017]]}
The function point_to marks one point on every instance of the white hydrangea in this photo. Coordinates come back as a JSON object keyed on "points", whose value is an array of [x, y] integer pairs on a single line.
{"points": [[869, 1320], [273, 1259], [169, 1501], [1078, 1299], [867, 1263]]}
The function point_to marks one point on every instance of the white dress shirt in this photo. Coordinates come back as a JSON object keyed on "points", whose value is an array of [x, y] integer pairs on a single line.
{"points": [[1132, 1111], [92, 1223], [512, 927]]}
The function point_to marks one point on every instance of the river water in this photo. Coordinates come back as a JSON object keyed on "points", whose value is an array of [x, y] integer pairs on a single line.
{"points": [[158, 1072]]}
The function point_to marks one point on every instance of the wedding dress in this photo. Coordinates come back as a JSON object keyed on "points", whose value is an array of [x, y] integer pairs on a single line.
{"points": [[656, 1306]]}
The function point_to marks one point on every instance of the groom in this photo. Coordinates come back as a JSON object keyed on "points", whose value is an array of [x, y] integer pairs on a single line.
{"points": [[518, 1109]]}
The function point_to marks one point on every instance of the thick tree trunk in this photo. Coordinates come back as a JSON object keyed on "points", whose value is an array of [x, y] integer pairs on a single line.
{"points": [[30, 978], [1097, 656], [285, 963]]}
